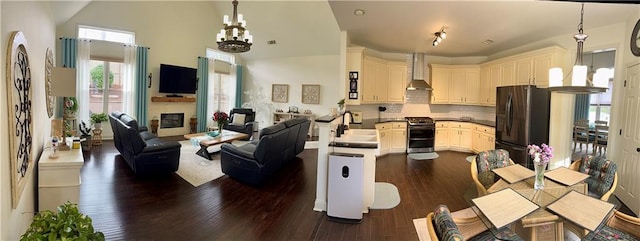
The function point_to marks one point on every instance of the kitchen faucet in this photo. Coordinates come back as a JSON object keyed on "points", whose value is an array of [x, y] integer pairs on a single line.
{"points": [[342, 126]]}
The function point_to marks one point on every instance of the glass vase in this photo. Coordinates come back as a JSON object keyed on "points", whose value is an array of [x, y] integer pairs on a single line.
{"points": [[539, 175], [220, 128]]}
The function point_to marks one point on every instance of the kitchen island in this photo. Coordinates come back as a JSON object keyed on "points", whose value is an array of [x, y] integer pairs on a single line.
{"points": [[363, 142]]}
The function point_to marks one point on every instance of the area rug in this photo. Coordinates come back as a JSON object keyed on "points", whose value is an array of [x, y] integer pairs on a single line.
{"points": [[196, 169], [423, 156], [386, 196], [470, 158]]}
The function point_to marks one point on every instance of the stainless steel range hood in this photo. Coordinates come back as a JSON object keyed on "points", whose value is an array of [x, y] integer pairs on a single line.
{"points": [[418, 81]]}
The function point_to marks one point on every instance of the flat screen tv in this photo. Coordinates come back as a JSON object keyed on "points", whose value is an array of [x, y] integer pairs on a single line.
{"points": [[177, 79]]}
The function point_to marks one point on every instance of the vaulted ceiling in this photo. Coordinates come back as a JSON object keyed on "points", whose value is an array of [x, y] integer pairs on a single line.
{"points": [[303, 28]]}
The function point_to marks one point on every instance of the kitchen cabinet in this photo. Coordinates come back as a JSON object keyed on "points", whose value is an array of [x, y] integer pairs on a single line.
{"points": [[460, 137], [489, 78], [392, 136], [442, 135], [440, 78], [399, 137], [455, 84], [375, 80], [397, 81], [385, 137], [383, 81], [532, 68], [508, 73], [483, 138]]}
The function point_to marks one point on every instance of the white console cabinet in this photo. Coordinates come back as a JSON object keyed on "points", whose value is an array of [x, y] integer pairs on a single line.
{"points": [[59, 179]]}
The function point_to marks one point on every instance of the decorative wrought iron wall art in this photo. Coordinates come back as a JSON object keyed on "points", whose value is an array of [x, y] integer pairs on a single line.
{"points": [[19, 94]]}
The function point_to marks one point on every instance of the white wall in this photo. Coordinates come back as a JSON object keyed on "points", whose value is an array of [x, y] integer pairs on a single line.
{"points": [[35, 20], [176, 32], [295, 71]]}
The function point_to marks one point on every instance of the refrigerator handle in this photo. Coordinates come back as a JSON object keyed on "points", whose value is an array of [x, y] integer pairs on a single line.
{"points": [[515, 147], [509, 112]]}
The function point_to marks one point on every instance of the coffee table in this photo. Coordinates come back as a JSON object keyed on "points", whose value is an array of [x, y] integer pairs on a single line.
{"points": [[205, 140]]}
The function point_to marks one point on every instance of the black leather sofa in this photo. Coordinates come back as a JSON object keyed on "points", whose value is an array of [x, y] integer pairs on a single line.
{"points": [[145, 153], [245, 127], [254, 162]]}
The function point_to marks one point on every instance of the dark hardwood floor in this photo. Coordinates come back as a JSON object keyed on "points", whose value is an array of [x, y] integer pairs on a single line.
{"points": [[126, 207]]}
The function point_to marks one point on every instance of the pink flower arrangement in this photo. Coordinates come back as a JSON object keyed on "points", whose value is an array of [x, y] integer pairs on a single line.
{"points": [[543, 153]]}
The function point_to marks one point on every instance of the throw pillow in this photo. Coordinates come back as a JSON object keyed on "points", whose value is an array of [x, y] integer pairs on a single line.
{"points": [[238, 119]]}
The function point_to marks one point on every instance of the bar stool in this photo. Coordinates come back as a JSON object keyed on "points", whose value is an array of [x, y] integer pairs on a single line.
{"points": [[96, 140]]}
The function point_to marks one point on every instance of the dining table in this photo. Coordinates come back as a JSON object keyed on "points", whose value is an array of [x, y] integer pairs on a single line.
{"points": [[537, 214]]}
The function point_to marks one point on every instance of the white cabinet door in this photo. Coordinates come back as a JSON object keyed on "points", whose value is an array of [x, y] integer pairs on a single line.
{"points": [[442, 135], [524, 69], [456, 87], [542, 64], [368, 77], [508, 73], [485, 85], [496, 73], [472, 86], [397, 82], [440, 78]]}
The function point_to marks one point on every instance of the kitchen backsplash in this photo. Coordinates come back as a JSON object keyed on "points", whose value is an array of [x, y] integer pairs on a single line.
{"points": [[417, 104]]}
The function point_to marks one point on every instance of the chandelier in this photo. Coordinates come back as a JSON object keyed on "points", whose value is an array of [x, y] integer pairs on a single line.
{"points": [[234, 37], [580, 84]]}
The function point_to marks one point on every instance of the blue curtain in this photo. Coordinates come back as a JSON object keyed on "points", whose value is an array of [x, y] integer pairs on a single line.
{"points": [[201, 93], [239, 86], [142, 54], [69, 59], [581, 110]]}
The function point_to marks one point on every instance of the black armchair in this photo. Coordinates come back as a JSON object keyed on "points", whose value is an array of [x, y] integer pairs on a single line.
{"points": [[239, 125]]}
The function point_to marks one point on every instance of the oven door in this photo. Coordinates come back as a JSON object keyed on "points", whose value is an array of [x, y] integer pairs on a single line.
{"points": [[421, 139]]}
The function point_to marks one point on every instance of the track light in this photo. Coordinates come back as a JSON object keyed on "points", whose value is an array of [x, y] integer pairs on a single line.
{"points": [[440, 35]]}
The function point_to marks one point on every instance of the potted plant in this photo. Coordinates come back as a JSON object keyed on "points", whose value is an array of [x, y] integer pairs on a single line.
{"points": [[67, 224], [97, 119], [85, 133], [341, 104]]}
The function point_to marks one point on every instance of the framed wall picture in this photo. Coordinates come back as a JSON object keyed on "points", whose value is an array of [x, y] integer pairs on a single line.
{"points": [[311, 94], [20, 118], [280, 93]]}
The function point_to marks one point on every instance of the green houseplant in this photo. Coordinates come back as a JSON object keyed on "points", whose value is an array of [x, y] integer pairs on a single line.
{"points": [[67, 224], [97, 119], [85, 131]]}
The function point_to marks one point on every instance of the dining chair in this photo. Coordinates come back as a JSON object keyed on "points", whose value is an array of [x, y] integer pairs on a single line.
{"points": [[601, 123], [620, 226], [603, 176], [486, 161], [462, 225], [601, 139], [581, 135]]}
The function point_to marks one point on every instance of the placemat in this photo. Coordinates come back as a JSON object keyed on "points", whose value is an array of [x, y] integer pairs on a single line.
{"points": [[514, 173], [581, 209], [566, 176], [504, 207]]}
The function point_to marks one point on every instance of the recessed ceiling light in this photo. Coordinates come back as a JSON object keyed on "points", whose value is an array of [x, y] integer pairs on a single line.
{"points": [[358, 12], [488, 42], [271, 42]]}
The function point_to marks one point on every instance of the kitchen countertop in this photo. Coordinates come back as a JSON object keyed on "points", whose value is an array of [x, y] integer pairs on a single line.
{"points": [[370, 123], [480, 122]]}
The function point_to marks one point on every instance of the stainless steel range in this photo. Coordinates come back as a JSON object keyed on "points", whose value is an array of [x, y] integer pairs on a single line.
{"points": [[421, 137]]}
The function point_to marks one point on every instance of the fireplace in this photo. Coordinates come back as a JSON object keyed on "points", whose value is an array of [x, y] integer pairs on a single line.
{"points": [[171, 120]]}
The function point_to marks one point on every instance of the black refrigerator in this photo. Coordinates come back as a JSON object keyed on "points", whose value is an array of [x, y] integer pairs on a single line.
{"points": [[522, 118]]}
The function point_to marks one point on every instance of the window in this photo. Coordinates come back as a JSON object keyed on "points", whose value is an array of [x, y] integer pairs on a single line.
{"points": [[600, 104], [105, 86], [222, 87], [111, 35]]}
